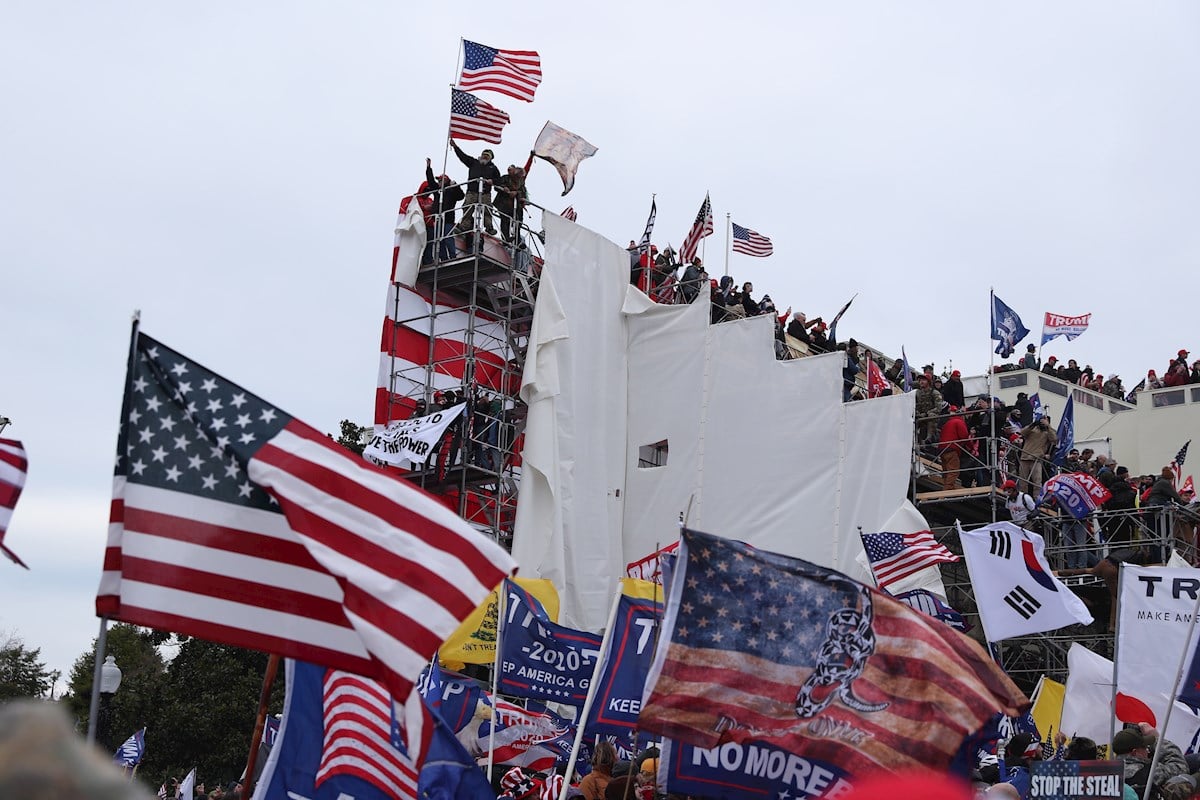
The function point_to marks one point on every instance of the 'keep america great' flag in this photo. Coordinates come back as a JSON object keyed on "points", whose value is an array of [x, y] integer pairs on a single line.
{"points": [[236, 523], [765, 648]]}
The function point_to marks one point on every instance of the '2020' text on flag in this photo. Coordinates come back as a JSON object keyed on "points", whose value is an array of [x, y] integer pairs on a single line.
{"points": [[765, 648], [515, 73], [1014, 589], [14, 465], [234, 522]]}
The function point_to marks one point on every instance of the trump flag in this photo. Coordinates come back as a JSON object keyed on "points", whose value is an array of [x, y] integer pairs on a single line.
{"points": [[770, 650]]}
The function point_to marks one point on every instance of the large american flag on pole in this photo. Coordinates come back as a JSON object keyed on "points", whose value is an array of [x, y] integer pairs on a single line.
{"points": [[895, 556], [703, 226], [751, 243], [765, 648], [14, 465], [515, 73], [1177, 461], [234, 522], [472, 118]]}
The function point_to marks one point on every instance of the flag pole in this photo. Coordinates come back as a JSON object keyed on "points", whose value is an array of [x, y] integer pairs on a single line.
{"points": [[501, 606], [605, 643], [1112, 708], [704, 244], [1172, 694], [995, 446], [260, 722], [94, 707], [458, 64], [728, 221]]}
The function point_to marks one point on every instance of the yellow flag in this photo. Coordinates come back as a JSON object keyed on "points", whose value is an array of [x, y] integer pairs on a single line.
{"points": [[1047, 708], [475, 640], [641, 590]]}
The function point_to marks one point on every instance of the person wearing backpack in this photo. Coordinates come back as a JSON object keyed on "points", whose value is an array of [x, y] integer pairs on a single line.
{"points": [[1135, 747]]}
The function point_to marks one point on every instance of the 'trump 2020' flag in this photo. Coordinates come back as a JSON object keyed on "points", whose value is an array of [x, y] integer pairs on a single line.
{"points": [[751, 243], [895, 556], [703, 226], [515, 73], [1076, 492], [13, 467], [1056, 325], [765, 648], [234, 522], [540, 658], [472, 118], [130, 754], [1007, 328], [625, 663], [1014, 588]]}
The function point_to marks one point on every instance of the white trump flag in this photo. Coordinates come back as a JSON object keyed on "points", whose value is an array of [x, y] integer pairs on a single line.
{"points": [[1016, 593]]}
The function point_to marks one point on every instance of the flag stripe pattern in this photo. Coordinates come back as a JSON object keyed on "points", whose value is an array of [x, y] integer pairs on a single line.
{"points": [[895, 556], [14, 466], [569, 213], [751, 243], [234, 522], [404, 353], [358, 720], [744, 643], [1177, 462], [515, 73], [472, 118], [703, 226]]}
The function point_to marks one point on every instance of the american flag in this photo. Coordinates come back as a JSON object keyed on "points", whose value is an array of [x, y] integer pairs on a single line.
{"points": [[753, 635], [752, 243], [569, 213], [1177, 462], [703, 226], [358, 736], [13, 468], [472, 118], [234, 522], [895, 556], [130, 753], [515, 73]]}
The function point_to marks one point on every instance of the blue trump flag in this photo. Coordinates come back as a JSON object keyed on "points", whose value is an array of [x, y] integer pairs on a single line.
{"points": [[1039, 411], [749, 770], [336, 742], [1066, 432], [542, 659], [625, 664], [1007, 328], [130, 754]]}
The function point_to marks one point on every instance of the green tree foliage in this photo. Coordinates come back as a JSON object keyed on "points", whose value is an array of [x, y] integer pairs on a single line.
{"points": [[22, 673], [198, 708], [354, 437]]}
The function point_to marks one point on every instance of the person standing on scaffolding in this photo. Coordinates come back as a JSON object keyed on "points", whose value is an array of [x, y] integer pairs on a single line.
{"points": [[482, 174], [445, 197], [510, 202]]}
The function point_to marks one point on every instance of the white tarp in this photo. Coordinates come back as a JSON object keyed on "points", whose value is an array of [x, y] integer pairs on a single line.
{"points": [[759, 449]]}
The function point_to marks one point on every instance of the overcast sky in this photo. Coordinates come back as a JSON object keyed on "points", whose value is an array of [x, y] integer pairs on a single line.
{"points": [[233, 170]]}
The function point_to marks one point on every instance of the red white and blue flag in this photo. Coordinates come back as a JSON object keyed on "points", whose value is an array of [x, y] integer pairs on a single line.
{"points": [[236, 523], [569, 213], [1077, 493], [751, 243], [1177, 462], [895, 556], [515, 73], [1056, 325], [765, 649], [14, 465], [703, 226], [472, 118]]}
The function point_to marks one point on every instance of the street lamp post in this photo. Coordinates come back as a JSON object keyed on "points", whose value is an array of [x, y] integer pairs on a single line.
{"points": [[110, 681]]}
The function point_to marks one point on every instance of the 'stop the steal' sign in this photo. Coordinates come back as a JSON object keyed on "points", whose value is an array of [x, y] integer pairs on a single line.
{"points": [[1067, 780], [410, 439]]}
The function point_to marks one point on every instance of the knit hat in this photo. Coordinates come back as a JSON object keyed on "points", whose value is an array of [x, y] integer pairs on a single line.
{"points": [[1128, 740]]}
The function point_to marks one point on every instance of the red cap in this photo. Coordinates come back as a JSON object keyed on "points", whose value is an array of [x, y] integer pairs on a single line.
{"points": [[1183, 352], [956, 374], [1052, 358], [1008, 485]]}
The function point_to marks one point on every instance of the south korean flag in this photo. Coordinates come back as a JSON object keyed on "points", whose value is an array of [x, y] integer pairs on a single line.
{"points": [[1014, 589]]}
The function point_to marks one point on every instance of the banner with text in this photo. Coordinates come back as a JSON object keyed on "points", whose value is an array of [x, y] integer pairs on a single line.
{"points": [[1077, 493], [1056, 325], [410, 439], [1074, 780], [475, 640], [625, 664], [748, 770], [650, 567], [541, 659]]}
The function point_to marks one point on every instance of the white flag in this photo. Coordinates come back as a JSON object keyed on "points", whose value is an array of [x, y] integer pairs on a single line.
{"points": [[1016, 593], [410, 439], [187, 789], [564, 150], [1154, 614]]}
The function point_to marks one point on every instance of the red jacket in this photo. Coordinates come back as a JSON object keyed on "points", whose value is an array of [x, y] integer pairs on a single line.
{"points": [[954, 435]]}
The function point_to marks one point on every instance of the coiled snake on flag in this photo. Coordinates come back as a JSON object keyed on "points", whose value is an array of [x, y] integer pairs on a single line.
{"points": [[849, 642]]}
